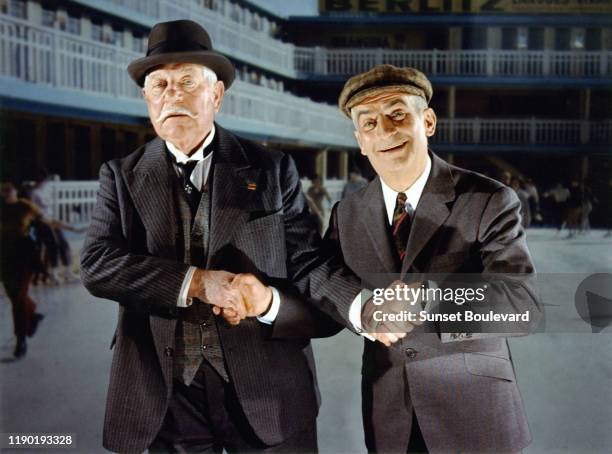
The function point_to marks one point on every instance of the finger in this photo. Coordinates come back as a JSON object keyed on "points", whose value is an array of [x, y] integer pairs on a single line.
{"points": [[216, 310]]}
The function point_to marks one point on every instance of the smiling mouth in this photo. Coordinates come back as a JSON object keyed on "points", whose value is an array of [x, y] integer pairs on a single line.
{"points": [[392, 149]]}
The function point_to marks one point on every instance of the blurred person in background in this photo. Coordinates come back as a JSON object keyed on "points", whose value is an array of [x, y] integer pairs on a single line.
{"points": [[559, 195], [317, 193], [523, 196], [57, 248], [354, 183], [573, 212], [534, 199], [17, 260]]}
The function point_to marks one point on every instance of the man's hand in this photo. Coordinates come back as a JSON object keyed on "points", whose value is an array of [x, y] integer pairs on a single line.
{"points": [[256, 299], [215, 287], [394, 310]]}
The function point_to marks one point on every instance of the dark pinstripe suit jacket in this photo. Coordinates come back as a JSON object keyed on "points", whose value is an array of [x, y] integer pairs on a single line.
{"points": [[463, 391], [131, 255]]}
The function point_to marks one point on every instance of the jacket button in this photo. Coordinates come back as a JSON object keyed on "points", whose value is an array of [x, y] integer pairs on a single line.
{"points": [[411, 353], [168, 351]]}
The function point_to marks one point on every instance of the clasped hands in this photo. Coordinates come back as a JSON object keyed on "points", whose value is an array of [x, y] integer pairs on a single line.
{"points": [[237, 296], [234, 296]]}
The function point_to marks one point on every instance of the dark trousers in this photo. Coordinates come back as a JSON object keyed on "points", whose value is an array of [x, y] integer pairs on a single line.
{"points": [[16, 277], [206, 417]]}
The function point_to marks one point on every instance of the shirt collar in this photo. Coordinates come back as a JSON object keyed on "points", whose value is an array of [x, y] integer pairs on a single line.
{"points": [[182, 158], [413, 193]]}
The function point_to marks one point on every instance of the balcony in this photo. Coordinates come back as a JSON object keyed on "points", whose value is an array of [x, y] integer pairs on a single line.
{"points": [[465, 63], [46, 65], [231, 34], [38, 64], [226, 23]]}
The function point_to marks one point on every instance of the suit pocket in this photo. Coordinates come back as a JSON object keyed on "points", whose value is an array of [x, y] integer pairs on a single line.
{"points": [[489, 366]]}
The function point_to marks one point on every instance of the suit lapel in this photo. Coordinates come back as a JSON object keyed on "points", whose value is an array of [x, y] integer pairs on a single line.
{"points": [[377, 227], [432, 210], [232, 174], [151, 188]]}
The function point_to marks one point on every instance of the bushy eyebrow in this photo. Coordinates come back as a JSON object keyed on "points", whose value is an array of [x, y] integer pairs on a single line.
{"points": [[385, 106]]}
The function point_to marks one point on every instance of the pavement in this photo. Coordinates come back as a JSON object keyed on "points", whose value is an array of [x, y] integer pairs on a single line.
{"points": [[564, 373]]}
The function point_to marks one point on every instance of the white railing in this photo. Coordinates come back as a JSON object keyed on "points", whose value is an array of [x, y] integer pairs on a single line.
{"points": [[544, 63], [46, 56], [532, 131], [230, 36], [73, 202]]}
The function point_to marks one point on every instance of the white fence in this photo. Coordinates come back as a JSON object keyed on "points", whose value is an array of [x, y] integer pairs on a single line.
{"points": [[233, 30], [531, 131], [46, 56], [541, 63], [73, 201]]}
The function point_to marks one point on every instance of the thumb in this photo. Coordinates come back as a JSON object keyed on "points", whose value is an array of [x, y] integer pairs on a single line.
{"points": [[216, 310]]}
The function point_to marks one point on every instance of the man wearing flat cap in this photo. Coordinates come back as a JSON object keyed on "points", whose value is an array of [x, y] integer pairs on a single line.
{"points": [[173, 222], [433, 392]]}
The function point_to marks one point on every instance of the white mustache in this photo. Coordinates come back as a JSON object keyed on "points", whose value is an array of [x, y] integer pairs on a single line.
{"points": [[175, 110]]}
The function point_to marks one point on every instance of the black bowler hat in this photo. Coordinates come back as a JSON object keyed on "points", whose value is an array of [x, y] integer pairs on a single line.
{"points": [[181, 41]]}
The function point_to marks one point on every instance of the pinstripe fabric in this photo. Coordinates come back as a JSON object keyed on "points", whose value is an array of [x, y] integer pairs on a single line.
{"points": [[133, 255], [197, 335]]}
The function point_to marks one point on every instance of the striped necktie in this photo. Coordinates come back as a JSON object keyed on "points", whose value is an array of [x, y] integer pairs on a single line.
{"points": [[402, 220]]}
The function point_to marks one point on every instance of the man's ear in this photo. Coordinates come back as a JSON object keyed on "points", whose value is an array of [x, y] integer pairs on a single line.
{"points": [[430, 119], [358, 138], [218, 92]]}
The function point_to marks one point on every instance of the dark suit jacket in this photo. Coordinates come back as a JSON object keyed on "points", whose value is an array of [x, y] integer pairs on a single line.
{"points": [[131, 255], [462, 390]]}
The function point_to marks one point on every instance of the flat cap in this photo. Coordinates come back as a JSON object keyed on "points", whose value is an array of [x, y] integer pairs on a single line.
{"points": [[383, 78]]}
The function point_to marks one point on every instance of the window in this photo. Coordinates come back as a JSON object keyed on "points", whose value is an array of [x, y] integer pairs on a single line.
{"points": [[578, 38], [96, 32], [48, 18], [117, 37], [17, 8], [522, 38], [74, 25]]}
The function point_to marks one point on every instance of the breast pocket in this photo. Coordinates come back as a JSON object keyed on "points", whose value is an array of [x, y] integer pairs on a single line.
{"points": [[262, 242]]}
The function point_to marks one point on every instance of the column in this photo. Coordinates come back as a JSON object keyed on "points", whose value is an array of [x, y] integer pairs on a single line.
{"points": [[343, 167], [451, 106], [321, 164]]}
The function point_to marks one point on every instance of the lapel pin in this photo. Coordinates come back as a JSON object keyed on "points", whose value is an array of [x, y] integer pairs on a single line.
{"points": [[251, 186]]}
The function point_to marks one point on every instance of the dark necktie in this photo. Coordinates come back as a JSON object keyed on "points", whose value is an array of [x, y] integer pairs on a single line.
{"points": [[401, 224], [191, 192]]}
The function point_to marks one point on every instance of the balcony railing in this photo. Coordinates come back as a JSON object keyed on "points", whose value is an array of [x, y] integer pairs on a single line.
{"points": [[44, 56], [229, 36], [515, 63], [530, 131], [47, 56]]}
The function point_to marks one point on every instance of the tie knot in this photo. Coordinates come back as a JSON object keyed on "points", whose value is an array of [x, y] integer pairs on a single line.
{"points": [[401, 199], [187, 167]]}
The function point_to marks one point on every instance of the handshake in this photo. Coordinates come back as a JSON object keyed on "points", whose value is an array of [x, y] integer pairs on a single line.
{"points": [[237, 296], [234, 296]]}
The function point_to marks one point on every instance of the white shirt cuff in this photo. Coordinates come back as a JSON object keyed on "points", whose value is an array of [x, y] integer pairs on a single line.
{"points": [[270, 316], [355, 313], [183, 299]]}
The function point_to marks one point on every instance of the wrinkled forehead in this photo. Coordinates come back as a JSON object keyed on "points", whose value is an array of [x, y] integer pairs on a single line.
{"points": [[175, 69], [381, 101]]}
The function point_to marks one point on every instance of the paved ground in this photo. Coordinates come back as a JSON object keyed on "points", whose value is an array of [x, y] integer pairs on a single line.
{"points": [[565, 377]]}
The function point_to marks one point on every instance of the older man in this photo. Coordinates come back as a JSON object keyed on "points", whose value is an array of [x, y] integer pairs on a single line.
{"points": [[432, 391], [192, 202]]}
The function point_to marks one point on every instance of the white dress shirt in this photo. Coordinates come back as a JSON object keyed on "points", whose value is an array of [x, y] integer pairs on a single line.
{"points": [[413, 195], [198, 177]]}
